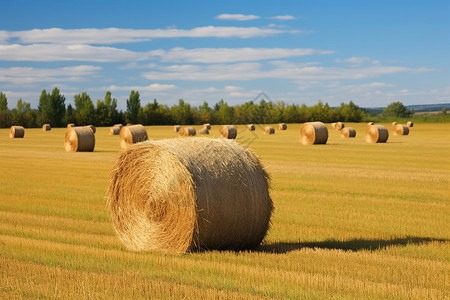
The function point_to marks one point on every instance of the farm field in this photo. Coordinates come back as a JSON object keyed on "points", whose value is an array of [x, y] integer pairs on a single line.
{"points": [[352, 221]]}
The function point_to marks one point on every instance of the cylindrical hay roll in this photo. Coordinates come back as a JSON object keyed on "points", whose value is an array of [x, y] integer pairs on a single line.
{"points": [[333, 125], [228, 131], [118, 125], [176, 128], [377, 134], [92, 127], [207, 126], [179, 195], [269, 130], [115, 130], [129, 124], [348, 132], [410, 124], [251, 127], [16, 132], [187, 131], [79, 139], [339, 126], [70, 125], [370, 123], [401, 130], [46, 127], [204, 130], [394, 123], [132, 134], [313, 133], [282, 126]]}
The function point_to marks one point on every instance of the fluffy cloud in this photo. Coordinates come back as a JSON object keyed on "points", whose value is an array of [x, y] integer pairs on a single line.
{"points": [[283, 18], [155, 87], [357, 61], [236, 17]]}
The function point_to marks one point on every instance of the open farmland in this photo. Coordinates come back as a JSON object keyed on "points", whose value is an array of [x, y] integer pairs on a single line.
{"points": [[352, 220]]}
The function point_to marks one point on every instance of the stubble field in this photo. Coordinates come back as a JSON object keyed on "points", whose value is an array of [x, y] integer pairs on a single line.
{"points": [[352, 220]]}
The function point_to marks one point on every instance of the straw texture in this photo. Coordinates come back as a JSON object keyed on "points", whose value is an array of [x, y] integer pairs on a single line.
{"points": [[132, 134], [400, 130], [269, 130], [187, 131], [339, 126], [92, 127], [79, 139], [16, 132], [377, 134], [410, 124], [282, 126], [118, 125], [46, 127], [176, 128], [394, 123], [348, 132], [313, 133], [228, 131], [251, 127], [185, 194], [70, 125], [115, 130], [204, 130], [370, 123], [207, 126]]}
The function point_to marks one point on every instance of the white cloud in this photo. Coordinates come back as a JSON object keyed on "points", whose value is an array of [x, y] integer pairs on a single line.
{"points": [[155, 87], [357, 61], [236, 17], [283, 18]]}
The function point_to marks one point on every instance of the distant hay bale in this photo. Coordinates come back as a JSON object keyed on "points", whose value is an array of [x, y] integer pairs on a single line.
{"points": [[187, 131], [176, 128], [118, 125], [410, 124], [348, 132], [129, 124], [400, 130], [16, 132], [370, 123], [377, 134], [46, 127], [282, 126], [79, 139], [228, 132], [70, 125], [188, 194], [251, 127], [207, 126], [339, 126], [333, 125], [394, 123], [269, 130], [204, 130], [313, 133], [92, 127], [132, 134], [115, 130]]}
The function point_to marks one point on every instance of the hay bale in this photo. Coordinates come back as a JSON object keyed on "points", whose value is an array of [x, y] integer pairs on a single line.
{"points": [[207, 126], [228, 132], [339, 126], [313, 133], [115, 130], [333, 125], [204, 130], [394, 123], [377, 134], [129, 124], [132, 134], [410, 124], [16, 132], [46, 127], [79, 139], [176, 128], [282, 126], [348, 132], [251, 127], [70, 125], [92, 127], [400, 130], [370, 123], [187, 131], [179, 195], [118, 125], [269, 130]]}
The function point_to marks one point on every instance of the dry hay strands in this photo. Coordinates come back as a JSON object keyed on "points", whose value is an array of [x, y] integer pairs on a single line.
{"points": [[16, 132], [400, 130], [269, 130], [394, 123], [371, 123], [410, 124], [79, 139], [187, 131], [118, 125], [251, 127], [282, 126], [92, 127], [348, 132], [333, 125], [115, 130], [228, 132], [46, 127], [377, 134], [176, 128], [207, 126], [132, 134], [179, 195], [204, 130], [70, 125], [313, 133], [339, 126]]}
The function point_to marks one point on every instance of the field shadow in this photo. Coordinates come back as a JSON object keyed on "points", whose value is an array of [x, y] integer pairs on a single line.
{"points": [[350, 245]]}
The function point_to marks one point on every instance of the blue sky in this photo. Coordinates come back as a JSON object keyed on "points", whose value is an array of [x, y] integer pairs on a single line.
{"points": [[370, 52]]}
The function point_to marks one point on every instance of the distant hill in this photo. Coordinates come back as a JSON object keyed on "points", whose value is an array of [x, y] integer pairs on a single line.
{"points": [[420, 108]]}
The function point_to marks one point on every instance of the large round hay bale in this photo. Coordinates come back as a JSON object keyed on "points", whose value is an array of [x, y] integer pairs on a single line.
{"points": [[370, 123], [228, 132], [377, 134], [207, 126], [16, 132], [179, 195], [204, 130], [339, 126], [282, 126], [187, 131], [92, 127], [348, 132], [79, 139], [251, 127], [400, 130], [410, 124], [115, 130], [118, 125], [333, 125], [269, 130], [313, 133], [132, 134], [70, 125], [46, 127], [394, 123], [176, 128]]}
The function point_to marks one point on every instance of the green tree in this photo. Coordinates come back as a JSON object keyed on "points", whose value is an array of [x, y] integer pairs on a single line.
{"points": [[23, 114], [52, 107], [5, 114], [181, 113], [3, 102], [106, 111], [85, 112], [69, 116], [396, 110], [133, 107]]}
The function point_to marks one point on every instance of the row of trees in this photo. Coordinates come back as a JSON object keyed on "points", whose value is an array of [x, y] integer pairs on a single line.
{"points": [[52, 110]]}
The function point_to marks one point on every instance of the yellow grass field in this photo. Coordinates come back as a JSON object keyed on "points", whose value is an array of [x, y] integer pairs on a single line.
{"points": [[352, 221]]}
